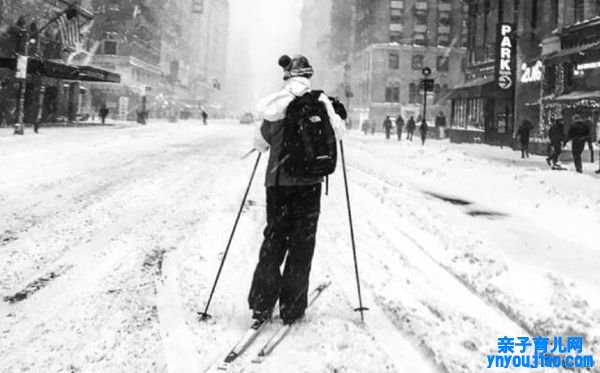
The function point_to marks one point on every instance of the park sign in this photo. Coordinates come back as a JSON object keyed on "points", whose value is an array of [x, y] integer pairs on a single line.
{"points": [[505, 64]]}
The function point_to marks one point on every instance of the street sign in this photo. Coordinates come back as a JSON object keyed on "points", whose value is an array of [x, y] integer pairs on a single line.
{"points": [[21, 67], [427, 84]]}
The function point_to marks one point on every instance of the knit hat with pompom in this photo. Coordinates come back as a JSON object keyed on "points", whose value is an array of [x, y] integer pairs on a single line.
{"points": [[296, 66]]}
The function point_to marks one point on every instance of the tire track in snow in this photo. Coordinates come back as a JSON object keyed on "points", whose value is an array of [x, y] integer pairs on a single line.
{"points": [[494, 303], [89, 270], [399, 349]]}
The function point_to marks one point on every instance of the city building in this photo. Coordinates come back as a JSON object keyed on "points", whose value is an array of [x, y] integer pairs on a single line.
{"points": [[381, 48], [56, 73], [571, 62], [550, 51], [171, 55]]}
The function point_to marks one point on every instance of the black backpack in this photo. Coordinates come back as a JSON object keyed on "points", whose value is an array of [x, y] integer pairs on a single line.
{"points": [[309, 144]]}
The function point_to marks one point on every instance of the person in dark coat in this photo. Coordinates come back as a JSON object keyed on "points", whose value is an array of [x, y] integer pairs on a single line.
{"points": [[399, 125], [556, 134], [103, 113], [410, 128], [365, 126], [423, 128], [293, 205], [579, 134], [387, 127], [523, 133], [440, 120], [204, 117]]}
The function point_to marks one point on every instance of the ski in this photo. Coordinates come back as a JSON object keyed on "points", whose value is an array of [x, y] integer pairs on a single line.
{"points": [[239, 348], [283, 330]]}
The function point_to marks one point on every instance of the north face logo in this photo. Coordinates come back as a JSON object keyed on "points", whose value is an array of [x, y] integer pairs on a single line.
{"points": [[315, 119]]}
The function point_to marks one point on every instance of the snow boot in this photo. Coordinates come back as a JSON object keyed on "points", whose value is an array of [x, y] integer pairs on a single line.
{"points": [[262, 315]]}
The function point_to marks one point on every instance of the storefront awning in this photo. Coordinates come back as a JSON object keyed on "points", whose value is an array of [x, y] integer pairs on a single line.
{"points": [[575, 96], [566, 54], [472, 89], [57, 70]]}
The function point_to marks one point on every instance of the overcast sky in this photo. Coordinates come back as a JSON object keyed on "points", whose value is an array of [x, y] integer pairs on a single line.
{"points": [[260, 32]]}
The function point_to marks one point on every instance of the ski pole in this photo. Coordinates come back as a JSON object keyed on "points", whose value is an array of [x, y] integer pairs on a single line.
{"points": [[204, 315], [360, 303]]}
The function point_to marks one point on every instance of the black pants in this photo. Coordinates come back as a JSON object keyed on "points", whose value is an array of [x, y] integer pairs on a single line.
{"points": [[577, 150], [409, 135], [292, 218], [556, 150], [525, 150], [387, 134]]}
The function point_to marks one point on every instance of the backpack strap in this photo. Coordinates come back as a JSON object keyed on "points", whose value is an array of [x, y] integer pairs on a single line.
{"points": [[316, 94]]}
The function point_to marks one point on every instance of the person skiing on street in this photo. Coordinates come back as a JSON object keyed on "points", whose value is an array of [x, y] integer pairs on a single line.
{"points": [[293, 203], [399, 125], [579, 135], [523, 133], [423, 128], [410, 128], [387, 126], [556, 134]]}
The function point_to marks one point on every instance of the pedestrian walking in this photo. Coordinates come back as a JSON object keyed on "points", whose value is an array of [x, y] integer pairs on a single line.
{"points": [[103, 113], [373, 125], [440, 124], [523, 133], [293, 202], [579, 134], [399, 126], [204, 117], [423, 128], [387, 127], [556, 135], [365, 126], [410, 128]]}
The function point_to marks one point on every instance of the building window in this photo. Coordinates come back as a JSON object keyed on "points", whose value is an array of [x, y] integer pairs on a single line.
{"points": [[412, 93], [394, 61], [417, 62], [110, 47], [442, 63], [419, 39], [392, 94], [578, 7], [554, 13], [396, 37], [396, 10]]}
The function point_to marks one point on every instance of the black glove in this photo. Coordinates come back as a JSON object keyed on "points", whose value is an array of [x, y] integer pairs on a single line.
{"points": [[338, 107]]}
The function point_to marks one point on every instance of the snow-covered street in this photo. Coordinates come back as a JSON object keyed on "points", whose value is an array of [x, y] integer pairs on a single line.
{"points": [[110, 239]]}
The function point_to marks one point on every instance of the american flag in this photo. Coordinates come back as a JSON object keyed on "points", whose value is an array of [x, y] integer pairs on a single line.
{"points": [[70, 35]]}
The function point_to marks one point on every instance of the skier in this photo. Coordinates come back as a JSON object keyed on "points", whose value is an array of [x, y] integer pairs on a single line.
{"points": [[556, 134], [387, 126], [410, 128], [523, 134], [204, 117], [365, 126], [579, 134], [399, 125], [103, 113], [293, 204], [423, 128]]}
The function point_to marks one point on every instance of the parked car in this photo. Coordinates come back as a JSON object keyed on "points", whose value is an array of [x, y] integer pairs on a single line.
{"points": [[247, 118]]}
